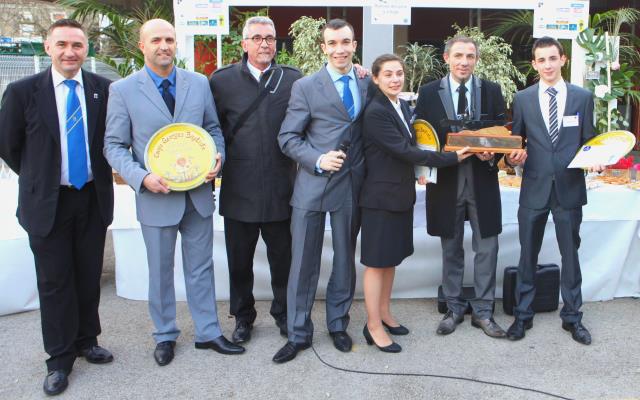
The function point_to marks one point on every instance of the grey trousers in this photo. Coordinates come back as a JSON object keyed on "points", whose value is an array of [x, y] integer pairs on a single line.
{"points": [[197, 260], [307, 232], [484, 261], [531, 228]]}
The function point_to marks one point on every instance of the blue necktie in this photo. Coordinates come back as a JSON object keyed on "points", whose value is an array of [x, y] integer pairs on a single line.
{"points": [[347, 97], [167, 96], [76, 147], [553, 115]]}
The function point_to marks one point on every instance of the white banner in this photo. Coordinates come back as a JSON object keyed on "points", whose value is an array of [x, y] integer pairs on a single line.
{"points": [[201, 17], [560, 19], [390, 12]]}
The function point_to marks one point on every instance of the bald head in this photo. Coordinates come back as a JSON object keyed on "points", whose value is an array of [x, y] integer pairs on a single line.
{"points": [[158, 44]]}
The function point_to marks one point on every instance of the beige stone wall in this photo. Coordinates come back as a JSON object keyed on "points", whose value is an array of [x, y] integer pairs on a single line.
{"points": [[28, 20]]}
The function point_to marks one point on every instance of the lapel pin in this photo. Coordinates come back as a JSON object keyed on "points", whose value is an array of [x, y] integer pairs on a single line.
{"points": [[95, 95]]}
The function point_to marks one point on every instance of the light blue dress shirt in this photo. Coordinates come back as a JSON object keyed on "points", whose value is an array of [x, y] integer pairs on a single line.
{"points": [[353, 85]]}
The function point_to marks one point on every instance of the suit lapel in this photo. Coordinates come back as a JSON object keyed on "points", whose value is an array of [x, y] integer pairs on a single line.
{"points": [[328, 90], [363, 85], [46, 100], [476, 98], [445, 97], [149, 89], [93, 97], [182, 90]]}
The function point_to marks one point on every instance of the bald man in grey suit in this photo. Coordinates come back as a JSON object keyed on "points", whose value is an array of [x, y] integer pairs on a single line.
{"points": [[139, 105], [324, 116]]}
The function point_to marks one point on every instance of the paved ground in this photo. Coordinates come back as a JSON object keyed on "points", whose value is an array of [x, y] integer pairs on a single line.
{"points": [[546, 360]]}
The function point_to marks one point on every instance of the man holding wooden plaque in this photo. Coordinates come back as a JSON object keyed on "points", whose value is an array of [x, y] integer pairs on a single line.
{"points": [[468, 190]]}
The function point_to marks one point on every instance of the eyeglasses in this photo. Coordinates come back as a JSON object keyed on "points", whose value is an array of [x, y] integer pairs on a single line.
{"points": [[257, 39]]}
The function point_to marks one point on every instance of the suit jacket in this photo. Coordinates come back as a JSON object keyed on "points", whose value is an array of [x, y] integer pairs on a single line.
{"points": [[258, 178], [317, 122], [434, 105], [390, 153], [30, 145], [136, 111], [546, 162]]}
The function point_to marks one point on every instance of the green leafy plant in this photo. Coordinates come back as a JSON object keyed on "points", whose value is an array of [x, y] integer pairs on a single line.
{"points": [[495, 62], [120, 36], [307, 54], [423, 63], [611, 59]]}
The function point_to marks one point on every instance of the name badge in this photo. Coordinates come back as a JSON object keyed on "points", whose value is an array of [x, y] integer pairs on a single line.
{"points": [[570, 120]]}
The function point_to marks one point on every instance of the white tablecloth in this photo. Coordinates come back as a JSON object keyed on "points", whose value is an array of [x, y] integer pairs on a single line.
{"points": [[610, 251]]}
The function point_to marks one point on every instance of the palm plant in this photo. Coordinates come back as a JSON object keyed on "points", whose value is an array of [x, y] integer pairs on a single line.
{"points": [[423, 63], [121, 30]]}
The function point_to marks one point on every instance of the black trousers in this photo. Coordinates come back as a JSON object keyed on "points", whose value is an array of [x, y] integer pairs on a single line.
{"points": [[531, 228], [241, 239], [68, 267]]}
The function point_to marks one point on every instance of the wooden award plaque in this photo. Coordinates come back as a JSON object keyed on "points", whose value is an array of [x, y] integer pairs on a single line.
{"points": [[496, 139]]}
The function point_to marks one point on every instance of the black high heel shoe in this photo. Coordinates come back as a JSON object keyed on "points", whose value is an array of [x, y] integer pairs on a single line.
{"points": [[392, 348], [396, 330]]}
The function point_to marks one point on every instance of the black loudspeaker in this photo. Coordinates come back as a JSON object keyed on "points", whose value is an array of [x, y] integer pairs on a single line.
{"points": [[547, 288], [468, 293]]}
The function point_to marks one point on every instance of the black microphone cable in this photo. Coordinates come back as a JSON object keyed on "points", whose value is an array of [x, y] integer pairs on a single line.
{"points": [[438, 376]]}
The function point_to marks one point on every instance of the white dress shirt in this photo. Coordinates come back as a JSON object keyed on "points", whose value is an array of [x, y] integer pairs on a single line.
{"points": [[255, 71], [61, 91], [398, 109], [561, 100], [454, 86]]}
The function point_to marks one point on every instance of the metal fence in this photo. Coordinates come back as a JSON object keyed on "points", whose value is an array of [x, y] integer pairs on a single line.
{"points": [[15, 67]]}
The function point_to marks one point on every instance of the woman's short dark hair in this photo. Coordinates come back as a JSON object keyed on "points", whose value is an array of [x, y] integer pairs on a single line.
{"points": [[378, 62], [546, 41]]}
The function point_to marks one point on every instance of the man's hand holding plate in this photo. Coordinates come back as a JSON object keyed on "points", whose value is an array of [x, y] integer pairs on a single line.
{"points": [[214, 172], [155, 184], [517, 157], [597, 168]]}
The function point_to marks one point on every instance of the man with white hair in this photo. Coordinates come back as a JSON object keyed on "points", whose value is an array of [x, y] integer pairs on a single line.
{"points": [[251, 98]]}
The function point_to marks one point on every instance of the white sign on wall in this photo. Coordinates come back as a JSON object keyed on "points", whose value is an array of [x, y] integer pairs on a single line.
{"points": [[390, 12], [560, 19], [201, 17]]}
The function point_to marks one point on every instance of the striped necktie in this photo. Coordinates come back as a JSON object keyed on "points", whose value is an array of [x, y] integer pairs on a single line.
{"points": [[76, 146], [553, 115], [347, 96]]}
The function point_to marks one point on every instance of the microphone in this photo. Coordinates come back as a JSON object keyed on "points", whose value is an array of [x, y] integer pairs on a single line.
{"points": [[344, 146]]}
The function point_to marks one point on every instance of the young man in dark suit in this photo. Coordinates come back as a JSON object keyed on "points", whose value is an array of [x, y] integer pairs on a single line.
{"points": [[52, 136], [468, 190], [555, 118]]}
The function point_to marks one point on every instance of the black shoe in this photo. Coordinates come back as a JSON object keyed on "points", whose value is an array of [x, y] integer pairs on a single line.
{"points": [[55, 382], [242, 333], [341, 341], [396, 330], [96, 354], [221, 345], [449, 323], [578, 332], [164, 352], [289, 351], [392, 348], [281, 323], [517, 329]]}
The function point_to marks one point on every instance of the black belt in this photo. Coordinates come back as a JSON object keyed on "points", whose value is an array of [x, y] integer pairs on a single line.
{"points": [[72, 188]]}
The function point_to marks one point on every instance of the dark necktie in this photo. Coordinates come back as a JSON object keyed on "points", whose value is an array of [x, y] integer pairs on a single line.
{"points": [[76, 145], [462, 100], [347, 96], [167, 96], [553, 115]]}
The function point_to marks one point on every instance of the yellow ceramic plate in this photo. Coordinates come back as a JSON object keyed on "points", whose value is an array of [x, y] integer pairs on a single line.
{"points": [[623, 140], [425, 134], [182, 154]]}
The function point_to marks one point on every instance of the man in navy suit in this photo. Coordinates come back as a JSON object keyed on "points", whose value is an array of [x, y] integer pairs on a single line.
{"points": [[52, 134], [555, 118]]}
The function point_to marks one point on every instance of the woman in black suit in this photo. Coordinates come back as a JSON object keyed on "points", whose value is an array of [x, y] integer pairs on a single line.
{"points": [[388, 195]]}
